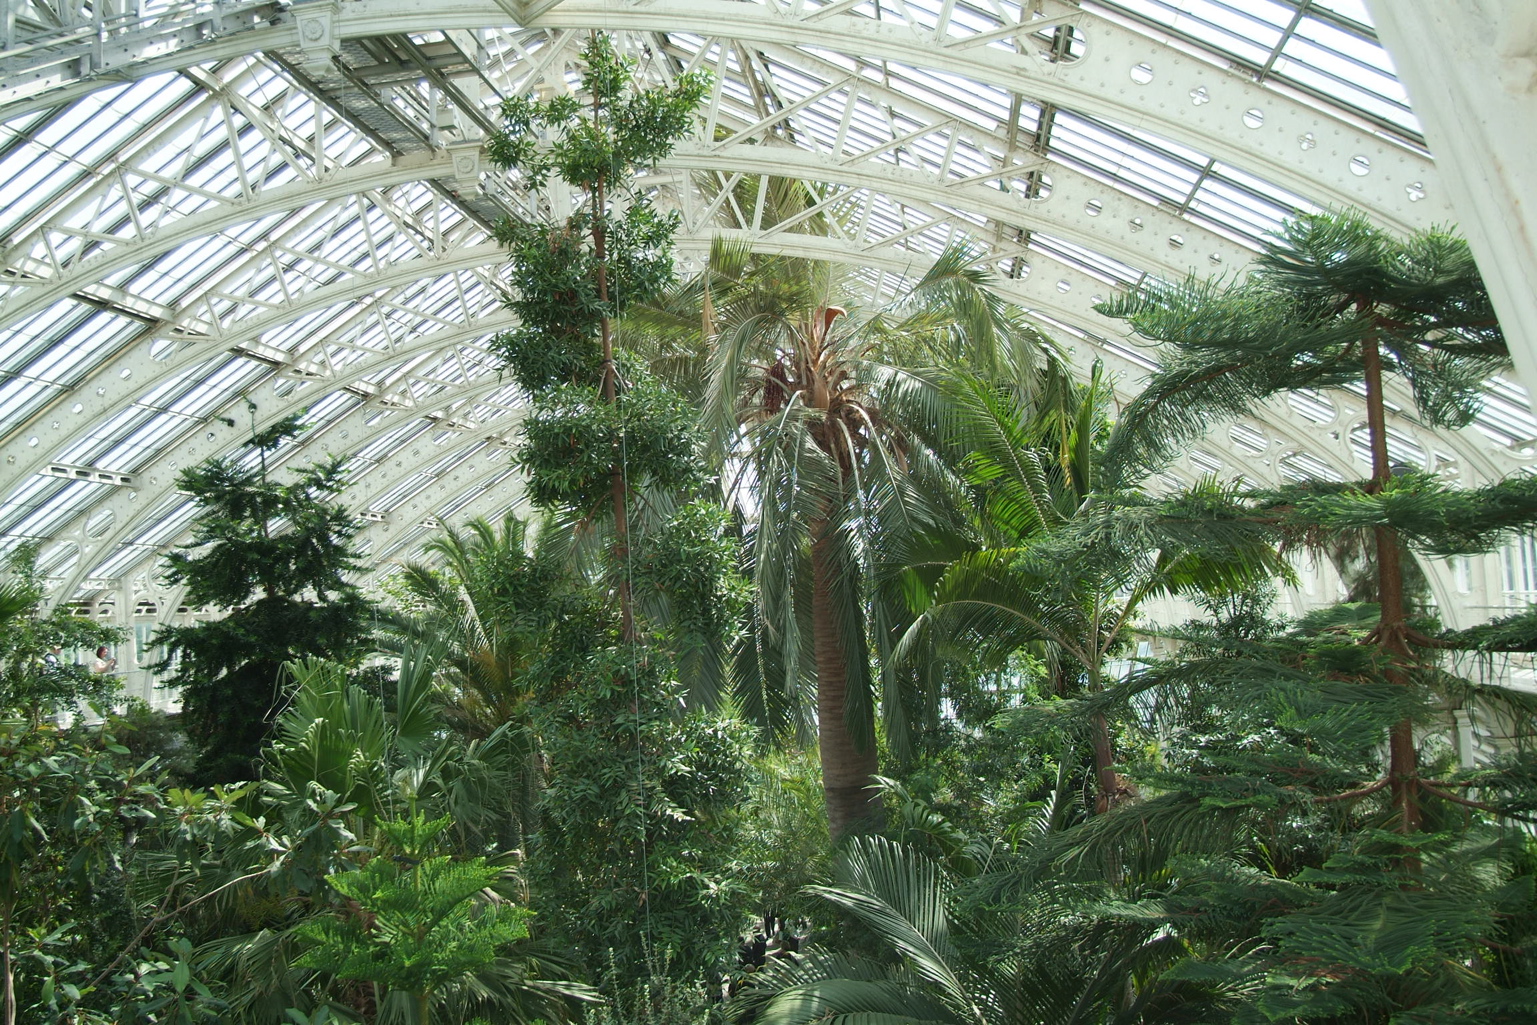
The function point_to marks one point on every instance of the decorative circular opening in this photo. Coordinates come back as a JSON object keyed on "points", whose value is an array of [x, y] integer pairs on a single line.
{"points": [[1307, 140], [1062, 44], [127, 372], [1176, 241], [1360, 165], [1094, 208], [1199, 95], [1253, 117], [32, 441], [98, 524], [77, 408], [1136, 224], [1037, 186], [1142, 73], [1215, 258], [1064, 286]]}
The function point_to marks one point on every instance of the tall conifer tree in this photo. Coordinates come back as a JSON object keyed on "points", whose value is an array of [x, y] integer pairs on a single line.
{"points": [[275, 555], [1333, 302]]}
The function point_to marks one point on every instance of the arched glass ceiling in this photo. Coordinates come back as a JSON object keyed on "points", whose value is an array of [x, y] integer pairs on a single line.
{"points": [[219, 214]]}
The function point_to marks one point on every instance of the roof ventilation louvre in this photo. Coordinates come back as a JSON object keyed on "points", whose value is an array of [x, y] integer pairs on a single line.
{"points": [[70, 471]]}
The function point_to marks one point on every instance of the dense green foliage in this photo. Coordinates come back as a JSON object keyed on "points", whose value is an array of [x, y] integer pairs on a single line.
{"points": [[567, 447], [274, 557], [1289, 843], [840, 418], [816, 690], [569, 275], [39, 673], [413, 920]]}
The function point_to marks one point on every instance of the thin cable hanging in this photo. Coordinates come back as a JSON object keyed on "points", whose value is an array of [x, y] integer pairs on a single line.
{"points": [[635, 666]]}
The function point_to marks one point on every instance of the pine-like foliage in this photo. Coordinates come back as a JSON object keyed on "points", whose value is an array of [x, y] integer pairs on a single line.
{"points": [[273, 556], [1259, 841], [1326, 291], [1333, 302], [1300, 833], [414, 921]]}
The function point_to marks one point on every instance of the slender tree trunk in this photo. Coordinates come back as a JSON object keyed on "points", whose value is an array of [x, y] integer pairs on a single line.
{"points": [[8, 1002], [617, 494], [1104, 765], [846, 768], [8, 1008], [1099, 739], [1403, 762]]}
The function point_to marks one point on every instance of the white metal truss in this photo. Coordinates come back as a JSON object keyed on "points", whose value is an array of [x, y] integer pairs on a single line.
{"points": [[293, 218], [991, 43], [380, 383]]}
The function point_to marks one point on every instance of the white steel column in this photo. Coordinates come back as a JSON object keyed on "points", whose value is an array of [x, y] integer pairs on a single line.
{"points": [[1470, 67]]}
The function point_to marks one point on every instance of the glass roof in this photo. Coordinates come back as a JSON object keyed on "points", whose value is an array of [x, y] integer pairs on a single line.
{"points": [[237, 225]]}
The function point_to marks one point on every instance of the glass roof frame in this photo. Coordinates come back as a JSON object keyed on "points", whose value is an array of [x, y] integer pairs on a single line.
{"points": [[236, 129]]}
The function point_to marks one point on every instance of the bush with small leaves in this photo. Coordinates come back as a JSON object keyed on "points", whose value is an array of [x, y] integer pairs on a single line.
{"points": [[573, 440]]}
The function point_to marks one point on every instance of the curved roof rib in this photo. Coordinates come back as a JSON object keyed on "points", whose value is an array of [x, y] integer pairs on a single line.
{"points": [[223, 213]]}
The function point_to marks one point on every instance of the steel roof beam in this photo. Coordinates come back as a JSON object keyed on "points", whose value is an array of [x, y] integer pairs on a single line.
{"points": [[1100, 83], [1284, 430]]}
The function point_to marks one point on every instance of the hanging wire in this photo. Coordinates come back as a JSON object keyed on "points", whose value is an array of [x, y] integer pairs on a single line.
{"points": [[629, 580]]}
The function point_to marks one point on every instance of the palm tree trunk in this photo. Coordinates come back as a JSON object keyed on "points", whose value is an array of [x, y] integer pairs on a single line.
{"points": [[1403, 761], [847, 767]]}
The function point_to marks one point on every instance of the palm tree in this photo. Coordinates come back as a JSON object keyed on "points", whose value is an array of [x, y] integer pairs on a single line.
{"points": [[831, 421], [486, 597], [1066, 559], [1051, 959]]}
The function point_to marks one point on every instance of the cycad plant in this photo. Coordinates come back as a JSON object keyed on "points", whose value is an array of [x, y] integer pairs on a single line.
{"points": [[831, 421], [941, 950]]}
